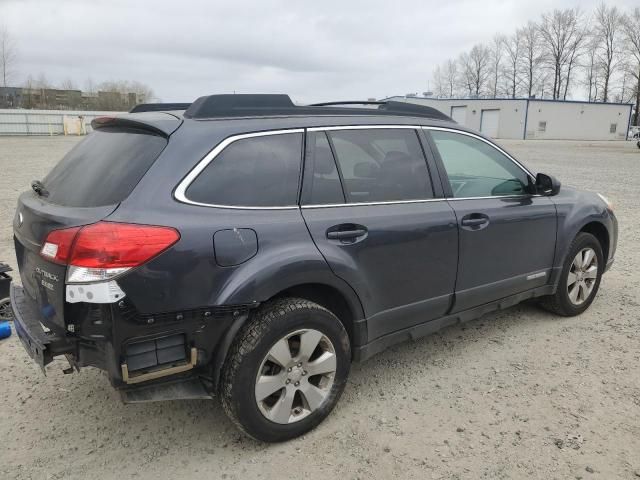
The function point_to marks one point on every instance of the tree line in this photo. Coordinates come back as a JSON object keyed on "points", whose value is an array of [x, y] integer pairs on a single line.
{"points": [[9, 75], [598, 52]]}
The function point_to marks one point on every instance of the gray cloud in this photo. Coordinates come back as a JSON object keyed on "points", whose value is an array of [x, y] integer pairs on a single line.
{"points": [[312, 50]]}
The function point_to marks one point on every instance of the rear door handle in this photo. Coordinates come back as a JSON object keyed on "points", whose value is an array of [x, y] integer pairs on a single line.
{"points": [[346, 234], [474, 221]]}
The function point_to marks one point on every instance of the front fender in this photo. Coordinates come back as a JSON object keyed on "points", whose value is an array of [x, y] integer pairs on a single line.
{"points": [[576, 209]]}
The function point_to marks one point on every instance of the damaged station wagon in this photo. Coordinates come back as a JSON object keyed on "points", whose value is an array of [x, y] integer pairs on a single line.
{"points": [[248, 248]]}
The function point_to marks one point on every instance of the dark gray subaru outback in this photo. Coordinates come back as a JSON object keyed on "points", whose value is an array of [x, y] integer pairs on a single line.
{"points": [[247, 247]]}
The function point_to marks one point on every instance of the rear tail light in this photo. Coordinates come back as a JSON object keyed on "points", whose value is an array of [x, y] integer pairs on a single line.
{"points": [[58, 244], [104, 250]]}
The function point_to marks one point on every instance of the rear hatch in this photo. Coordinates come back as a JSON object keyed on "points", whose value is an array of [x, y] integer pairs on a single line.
{"points": [[85, 187]]}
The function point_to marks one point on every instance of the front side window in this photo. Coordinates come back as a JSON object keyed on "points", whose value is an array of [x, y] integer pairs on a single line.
{"points": [[476, 169], [257, 172], [381, 165]]}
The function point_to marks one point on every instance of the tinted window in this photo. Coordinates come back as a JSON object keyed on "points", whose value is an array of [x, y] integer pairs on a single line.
{"points": [[103, 168], [258, 172], [322, 183], [476, 169], [380, 165]]}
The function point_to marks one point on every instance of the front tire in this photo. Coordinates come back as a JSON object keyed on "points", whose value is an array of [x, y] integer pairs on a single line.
{"points": [[580, 278], [286, 370]]}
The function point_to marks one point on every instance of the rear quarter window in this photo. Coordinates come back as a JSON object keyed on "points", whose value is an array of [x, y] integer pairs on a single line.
{"points": [[260, 171], [104, 168]]}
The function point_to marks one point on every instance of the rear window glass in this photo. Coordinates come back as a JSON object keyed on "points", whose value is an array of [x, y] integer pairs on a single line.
{"points": [[256, 172], [103, 168]]}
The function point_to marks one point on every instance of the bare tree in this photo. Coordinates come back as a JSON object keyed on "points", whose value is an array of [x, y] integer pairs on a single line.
{"points": [[475, 69], [144, 93], [466, 72], [513, 53], [608, 21], [631, 28], [495, 51], [532, 56], [438, 81], [90, 86], [575, 50], [29, 87], [8, 56], [558, 31], [451, 76], [480, 58], [68, 84], [590, 68], [42, 82]]}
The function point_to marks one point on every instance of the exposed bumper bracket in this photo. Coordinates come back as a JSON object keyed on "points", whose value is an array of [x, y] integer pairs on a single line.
{"points": [[160, 372], [40, 345]]}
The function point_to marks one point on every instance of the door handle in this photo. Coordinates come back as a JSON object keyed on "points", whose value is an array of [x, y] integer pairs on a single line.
{"points": [[474, 221], [346, 234]]}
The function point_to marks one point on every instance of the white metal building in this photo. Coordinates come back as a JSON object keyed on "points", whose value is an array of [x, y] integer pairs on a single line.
{"points": [[534, 118]]}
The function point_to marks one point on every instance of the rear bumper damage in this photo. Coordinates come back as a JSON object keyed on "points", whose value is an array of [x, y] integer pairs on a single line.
{"points": [[147, 358], [42, 346]]}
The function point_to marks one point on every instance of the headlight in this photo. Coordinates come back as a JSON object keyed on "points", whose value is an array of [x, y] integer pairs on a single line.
{"points": [[606, 201]]}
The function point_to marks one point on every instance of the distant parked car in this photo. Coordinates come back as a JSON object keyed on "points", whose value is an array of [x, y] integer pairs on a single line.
{"points": [[253, 249], [634, 133]]}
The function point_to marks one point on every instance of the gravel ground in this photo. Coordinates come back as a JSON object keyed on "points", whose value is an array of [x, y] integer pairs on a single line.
{"points": [[515, 394]]}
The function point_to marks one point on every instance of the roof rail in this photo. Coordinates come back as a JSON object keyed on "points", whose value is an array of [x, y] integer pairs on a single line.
{"points": [[158, 107], [268, 105]]}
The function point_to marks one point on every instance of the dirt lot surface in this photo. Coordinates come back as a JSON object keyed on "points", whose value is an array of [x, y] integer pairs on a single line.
{"points": [[515, 394]]}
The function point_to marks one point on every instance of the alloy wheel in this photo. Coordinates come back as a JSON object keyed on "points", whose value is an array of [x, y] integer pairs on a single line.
{"points": [[583, 275], [296, 376]]}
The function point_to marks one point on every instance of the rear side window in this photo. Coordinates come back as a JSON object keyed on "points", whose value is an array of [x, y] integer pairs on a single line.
{"points": [[381, 165], [322, 182], [103, 168], [252, 172]]}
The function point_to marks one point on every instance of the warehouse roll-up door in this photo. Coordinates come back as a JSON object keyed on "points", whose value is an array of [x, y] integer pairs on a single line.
{"points": [[459, 115], [489, 122]]}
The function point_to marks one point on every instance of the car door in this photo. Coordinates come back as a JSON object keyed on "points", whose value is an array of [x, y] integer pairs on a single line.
{"points": [[370, 206], [507, 234]]}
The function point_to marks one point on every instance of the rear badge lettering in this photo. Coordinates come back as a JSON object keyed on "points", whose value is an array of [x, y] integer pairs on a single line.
{"points": [[47, 275]]}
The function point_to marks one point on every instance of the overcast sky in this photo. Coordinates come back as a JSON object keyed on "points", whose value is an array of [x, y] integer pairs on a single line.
{"points": [[315, 51]]}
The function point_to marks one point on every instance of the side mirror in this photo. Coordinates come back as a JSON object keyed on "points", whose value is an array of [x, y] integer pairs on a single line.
{"points": [[547, 185]]}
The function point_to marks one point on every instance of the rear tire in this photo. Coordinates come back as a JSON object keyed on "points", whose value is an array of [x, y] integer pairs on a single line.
{"points": [[286, 370], [580, 278]]}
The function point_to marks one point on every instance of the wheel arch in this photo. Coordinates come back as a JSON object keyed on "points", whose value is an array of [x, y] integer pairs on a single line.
{"points": [[336, 302], [598, 230], [343, 303]]}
